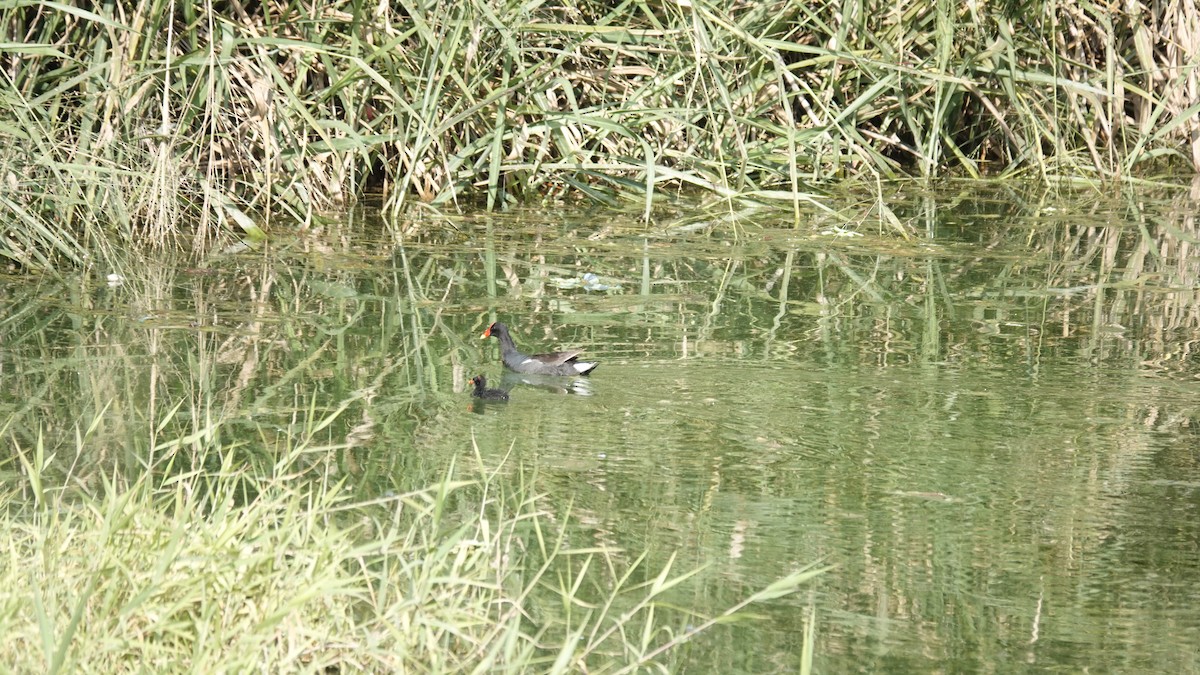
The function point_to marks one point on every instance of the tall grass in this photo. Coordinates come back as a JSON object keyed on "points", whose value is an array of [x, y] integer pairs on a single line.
{"points": [[199, 562], [162, 121]]}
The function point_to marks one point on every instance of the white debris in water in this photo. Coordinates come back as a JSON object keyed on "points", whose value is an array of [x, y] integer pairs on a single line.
{"points": [[840, 232]]}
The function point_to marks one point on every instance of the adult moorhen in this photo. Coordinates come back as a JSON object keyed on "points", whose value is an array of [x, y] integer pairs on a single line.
{"points": [[481, 390], [557, 363]]}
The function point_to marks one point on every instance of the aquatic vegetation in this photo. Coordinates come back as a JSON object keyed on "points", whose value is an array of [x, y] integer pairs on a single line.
{"points": [[198, 561]]}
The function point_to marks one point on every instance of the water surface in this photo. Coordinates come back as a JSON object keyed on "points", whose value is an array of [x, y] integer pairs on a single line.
{"points": [[987, 427]]}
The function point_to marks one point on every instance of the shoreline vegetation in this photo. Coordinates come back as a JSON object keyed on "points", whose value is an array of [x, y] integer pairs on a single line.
{"points": [[176, 123], [201, 562]]}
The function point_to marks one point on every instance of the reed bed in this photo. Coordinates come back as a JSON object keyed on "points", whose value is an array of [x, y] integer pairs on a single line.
{"points": [[197, 564], [168, 122]]}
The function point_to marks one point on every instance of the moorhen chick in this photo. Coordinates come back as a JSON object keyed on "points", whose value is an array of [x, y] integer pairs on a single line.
{"points": [[481, 390], [557, 363]]}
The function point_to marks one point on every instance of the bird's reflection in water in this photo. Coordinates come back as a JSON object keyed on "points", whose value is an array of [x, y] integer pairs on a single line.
{"points": [[480, 406], [580, 386]]}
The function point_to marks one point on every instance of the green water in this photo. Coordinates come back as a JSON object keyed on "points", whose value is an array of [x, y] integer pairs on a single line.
{"points": [[988, 428]]}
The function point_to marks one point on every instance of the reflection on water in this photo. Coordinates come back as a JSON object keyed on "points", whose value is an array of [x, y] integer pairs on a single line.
{"points": [[989, 429], [580, 386]]}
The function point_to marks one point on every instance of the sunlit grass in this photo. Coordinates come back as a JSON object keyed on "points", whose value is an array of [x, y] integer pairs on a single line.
{"points": [[198, 560], [165, 122]]}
